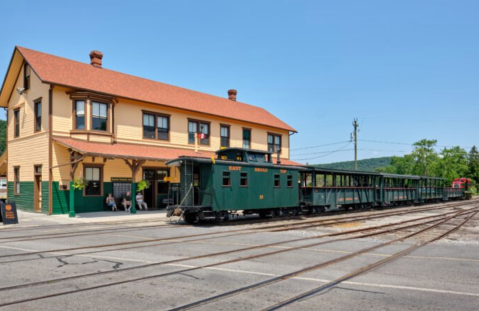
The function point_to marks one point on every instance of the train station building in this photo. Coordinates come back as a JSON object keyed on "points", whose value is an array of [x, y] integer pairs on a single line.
{"points": [[69, 120]]}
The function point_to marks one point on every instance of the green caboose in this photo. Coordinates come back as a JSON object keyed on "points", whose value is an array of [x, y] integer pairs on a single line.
{"points": [[238, 180]]}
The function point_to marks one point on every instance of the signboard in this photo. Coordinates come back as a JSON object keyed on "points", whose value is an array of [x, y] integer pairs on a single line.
{"points": [[172, 179], [120, 179], [9, 213]]}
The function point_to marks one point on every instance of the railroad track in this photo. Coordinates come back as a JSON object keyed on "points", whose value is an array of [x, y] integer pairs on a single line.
{"points": [[440, 219], [214, 235], [58, 235], [203, 302]]}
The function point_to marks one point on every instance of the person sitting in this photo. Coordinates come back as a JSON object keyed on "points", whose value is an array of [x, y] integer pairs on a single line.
{"points": [[127, 201], [110, 202], [140, 202]]}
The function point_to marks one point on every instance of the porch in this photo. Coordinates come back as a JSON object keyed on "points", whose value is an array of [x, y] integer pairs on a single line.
{"points": [[111, 168]]}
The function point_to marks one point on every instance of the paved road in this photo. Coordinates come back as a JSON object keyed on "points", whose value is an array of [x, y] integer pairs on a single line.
{"points": [[439, 276]]}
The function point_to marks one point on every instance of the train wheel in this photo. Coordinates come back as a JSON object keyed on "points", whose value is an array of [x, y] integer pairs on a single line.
{"points": [[190, 218], [263, 214]]}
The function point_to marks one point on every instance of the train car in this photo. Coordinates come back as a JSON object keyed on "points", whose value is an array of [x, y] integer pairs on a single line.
{"points": [[431, 189], [247, 180], [458, 189], [462, 183], [324, 190], [398, 189], [238, 180]]}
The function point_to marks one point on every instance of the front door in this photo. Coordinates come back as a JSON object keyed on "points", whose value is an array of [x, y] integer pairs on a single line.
{"points": [[37, 204], [149, 194], [158, 190]]}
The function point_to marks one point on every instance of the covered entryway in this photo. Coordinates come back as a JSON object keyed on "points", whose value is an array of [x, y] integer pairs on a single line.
{"points": [[156, 195], [115, 163]]}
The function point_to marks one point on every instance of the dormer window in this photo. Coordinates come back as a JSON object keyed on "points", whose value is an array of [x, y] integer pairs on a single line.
{"points": [[26, 76]]}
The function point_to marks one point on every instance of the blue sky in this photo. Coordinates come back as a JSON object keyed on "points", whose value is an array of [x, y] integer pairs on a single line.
{"points": [[406, 69]]}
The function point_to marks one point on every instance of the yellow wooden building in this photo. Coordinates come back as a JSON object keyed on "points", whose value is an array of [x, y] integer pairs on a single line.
{"points": [[68, 119]]}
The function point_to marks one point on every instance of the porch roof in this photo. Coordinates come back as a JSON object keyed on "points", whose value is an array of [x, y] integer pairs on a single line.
{"points": [[137, 151], [128, 151]]}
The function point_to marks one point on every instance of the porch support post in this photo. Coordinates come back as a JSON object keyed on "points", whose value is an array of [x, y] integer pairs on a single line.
{"points": [[72, 200], [75, 159], [134, 167]]}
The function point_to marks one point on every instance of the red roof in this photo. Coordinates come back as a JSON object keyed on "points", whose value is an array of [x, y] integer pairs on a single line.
{"points": [[61, 71], [137, 151]]}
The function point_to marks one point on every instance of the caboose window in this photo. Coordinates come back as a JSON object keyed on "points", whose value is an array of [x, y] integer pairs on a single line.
{"points": [[289, 181], [226, 179], [277, 182], [244, 179]]}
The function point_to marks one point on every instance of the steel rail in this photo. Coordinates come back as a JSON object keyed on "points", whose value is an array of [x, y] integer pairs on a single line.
{"points": [[245, 249], [365, 269], [250, 221], [308, 269], [241, 231], [206, 266], [234, 234], [59, 235]]}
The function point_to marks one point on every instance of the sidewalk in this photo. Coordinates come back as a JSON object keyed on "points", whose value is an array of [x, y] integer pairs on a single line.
{"points": [[27, 219]]}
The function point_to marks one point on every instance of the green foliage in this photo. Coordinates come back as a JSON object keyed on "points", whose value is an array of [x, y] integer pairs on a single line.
{"points": [[453, 164], [369, 165], [449, 163], [473, 164], [79, 183], [142, 185], [3, 136], [425, 157]]}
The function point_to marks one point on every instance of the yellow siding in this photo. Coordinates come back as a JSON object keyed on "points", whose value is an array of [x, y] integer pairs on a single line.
{"points": [[62, 110], [29, 148], [100, 139], [26, 153], [129, 122], [25, 103], [61, 156], [129, 125]]}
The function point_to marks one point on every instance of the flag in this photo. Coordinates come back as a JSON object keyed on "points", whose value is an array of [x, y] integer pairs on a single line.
{"points": [[213, 159]]}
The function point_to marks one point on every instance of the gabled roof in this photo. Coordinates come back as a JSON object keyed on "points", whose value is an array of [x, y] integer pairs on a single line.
{"points": [[61, 71]]}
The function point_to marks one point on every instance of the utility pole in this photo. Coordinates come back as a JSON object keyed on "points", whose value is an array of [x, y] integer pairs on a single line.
{"points": [[354, 136]]}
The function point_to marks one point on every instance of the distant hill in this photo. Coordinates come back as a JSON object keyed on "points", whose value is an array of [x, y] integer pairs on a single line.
{"points": [[363, 165]]}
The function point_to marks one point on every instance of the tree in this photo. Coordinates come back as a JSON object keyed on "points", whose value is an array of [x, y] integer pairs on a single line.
{"points": [[473, 165], [425, 157], [453, 163], [403, 165]]}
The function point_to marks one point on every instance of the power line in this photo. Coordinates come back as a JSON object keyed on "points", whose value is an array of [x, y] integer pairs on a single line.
{"points": [[405, 144], [339, 142], [337, 150], [360, 149]]}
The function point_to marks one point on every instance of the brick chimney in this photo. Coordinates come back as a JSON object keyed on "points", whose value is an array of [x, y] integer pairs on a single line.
{"points": [[232, 95], [95, 57]]}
